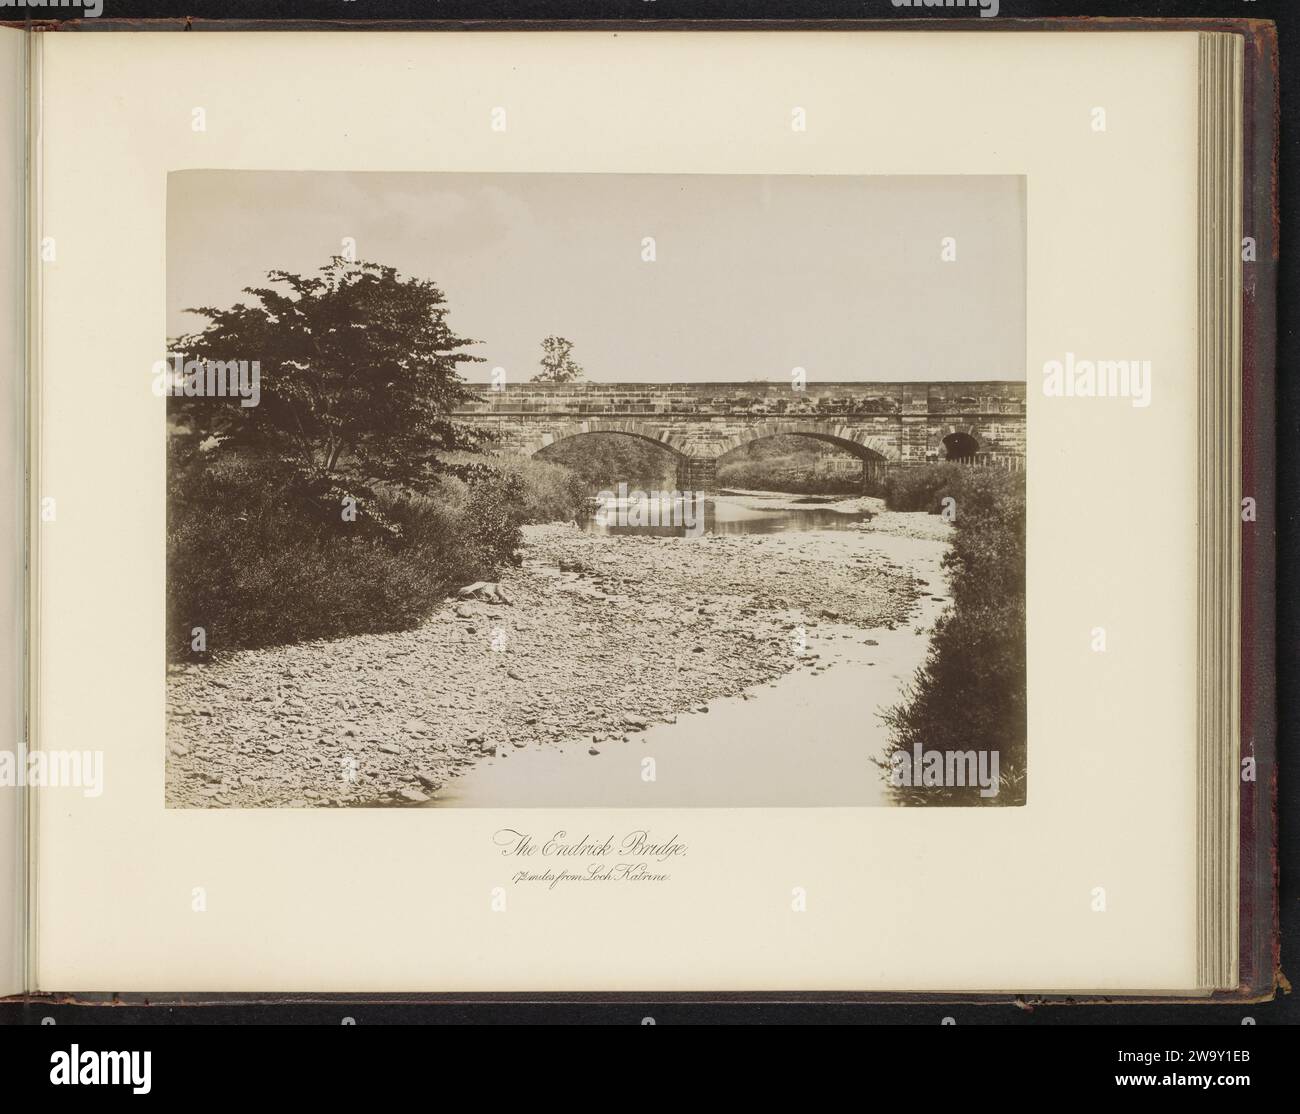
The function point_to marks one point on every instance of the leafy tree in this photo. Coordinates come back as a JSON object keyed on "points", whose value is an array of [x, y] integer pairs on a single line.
{"points": [[558, 364], [358, 379]]}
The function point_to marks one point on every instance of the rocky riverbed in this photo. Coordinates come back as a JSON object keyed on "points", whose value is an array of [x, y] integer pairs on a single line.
{"points": [[602, 637]]}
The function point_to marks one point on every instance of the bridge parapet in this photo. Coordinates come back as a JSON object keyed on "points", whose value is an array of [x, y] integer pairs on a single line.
{"points": [[895, 422], [757, 399]]}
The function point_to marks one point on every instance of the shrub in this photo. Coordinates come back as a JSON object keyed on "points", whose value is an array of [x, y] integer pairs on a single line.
{"points": [[792, 478], [969, 694], [606, 459], [920, 487], [791, 463], [549, 492], [255, 564]]}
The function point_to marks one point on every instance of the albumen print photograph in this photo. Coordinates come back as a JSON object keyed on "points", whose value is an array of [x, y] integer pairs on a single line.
{"points": [[594, 490]]}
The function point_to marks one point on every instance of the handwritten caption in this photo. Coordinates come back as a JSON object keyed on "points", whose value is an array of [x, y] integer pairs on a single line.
{"points": [[636, 856]]}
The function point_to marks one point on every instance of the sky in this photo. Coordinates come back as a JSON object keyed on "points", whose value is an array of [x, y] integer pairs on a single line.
{"points": [[754, 275]]}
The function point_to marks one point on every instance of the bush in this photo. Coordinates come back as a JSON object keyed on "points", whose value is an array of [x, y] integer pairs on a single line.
{"points": [[969, 694], [921, 487], [549, 492], [791, 463], [754, 476], [254, 563], [603, 460]]}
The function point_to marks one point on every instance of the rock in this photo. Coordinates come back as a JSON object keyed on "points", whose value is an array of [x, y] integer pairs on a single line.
{"points": [[411, 796], [417, 692], [592, 750], [179, 749], [274, 748]]}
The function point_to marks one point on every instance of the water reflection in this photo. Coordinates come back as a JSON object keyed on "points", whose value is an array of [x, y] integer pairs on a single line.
{"points": [[680, 517]]}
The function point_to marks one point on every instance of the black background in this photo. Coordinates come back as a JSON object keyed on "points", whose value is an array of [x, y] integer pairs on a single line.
{"points": [[367, 1012]]}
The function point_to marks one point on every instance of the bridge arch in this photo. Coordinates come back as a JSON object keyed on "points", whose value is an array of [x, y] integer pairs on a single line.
{"points": [[863, 445], [960, 446], [664, 436], [962, 441]]}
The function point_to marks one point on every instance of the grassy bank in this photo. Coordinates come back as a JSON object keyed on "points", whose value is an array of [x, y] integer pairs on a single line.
{"points": [[969, 695], [252, 563]]}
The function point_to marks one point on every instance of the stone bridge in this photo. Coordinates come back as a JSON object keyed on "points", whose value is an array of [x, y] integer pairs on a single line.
{"points": [[882, 424]]}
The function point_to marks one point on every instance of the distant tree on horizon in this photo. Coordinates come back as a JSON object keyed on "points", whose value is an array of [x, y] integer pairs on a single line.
{"points": [[558, 364]]}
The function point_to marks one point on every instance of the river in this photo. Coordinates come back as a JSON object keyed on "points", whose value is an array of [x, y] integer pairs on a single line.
{"points": [[728, 513], [804, 739], [749, 659]]}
